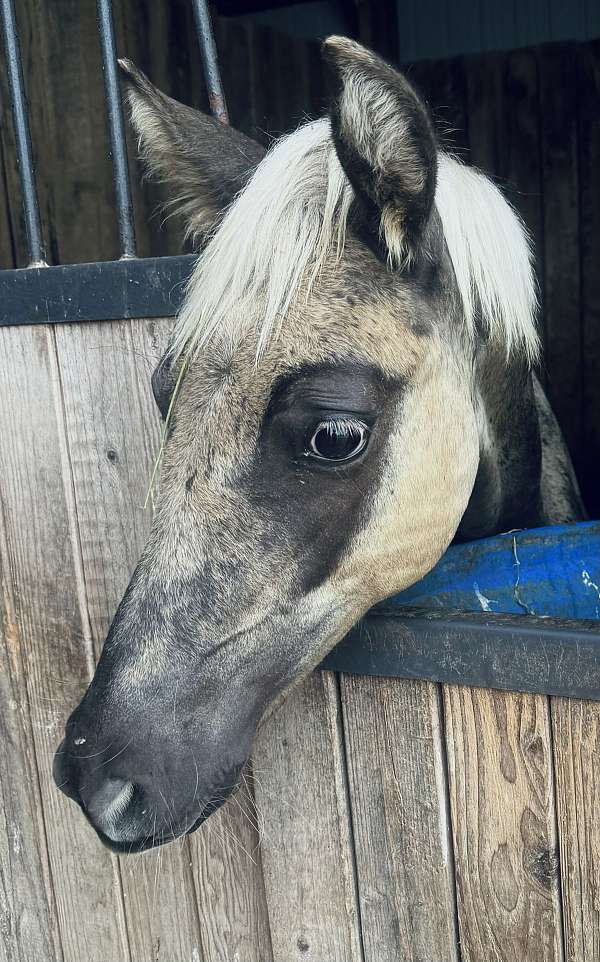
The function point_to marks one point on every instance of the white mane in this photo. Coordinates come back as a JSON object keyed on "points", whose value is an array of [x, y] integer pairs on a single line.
{"points": [[294, 211]]}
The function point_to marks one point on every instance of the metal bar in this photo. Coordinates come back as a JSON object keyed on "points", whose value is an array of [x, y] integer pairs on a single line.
{"points": [[31, 209], [106, 290], [551, 656], [116, 128], [208, 50]]}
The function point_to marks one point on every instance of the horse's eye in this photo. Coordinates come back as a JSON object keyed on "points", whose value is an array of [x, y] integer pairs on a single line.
{"points": [[338, 439]]}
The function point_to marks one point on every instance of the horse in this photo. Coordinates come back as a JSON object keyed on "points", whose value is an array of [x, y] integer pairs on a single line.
{"points": [[348, 389]]}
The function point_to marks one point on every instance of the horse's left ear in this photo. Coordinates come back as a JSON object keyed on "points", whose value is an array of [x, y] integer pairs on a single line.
{"points": [[203, 162], [386, 144]]}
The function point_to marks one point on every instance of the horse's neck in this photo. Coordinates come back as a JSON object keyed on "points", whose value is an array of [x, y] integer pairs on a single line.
{"points": [[507, 492]]}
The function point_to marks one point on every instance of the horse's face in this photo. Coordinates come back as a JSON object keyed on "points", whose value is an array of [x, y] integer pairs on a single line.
{"points": [[297, 489]]}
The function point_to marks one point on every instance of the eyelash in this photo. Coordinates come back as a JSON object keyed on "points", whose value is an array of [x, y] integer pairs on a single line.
{"points": [[343, 426], [339, 428]]}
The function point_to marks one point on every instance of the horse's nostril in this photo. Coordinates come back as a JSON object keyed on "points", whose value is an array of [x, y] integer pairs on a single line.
{"points": [[61, 772], [109, 805]]}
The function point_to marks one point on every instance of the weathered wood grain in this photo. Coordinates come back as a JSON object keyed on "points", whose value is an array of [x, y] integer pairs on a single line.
{"points": [[28, 926], [307, 858], [227, 868], [503, 819], [398, 797], [576, 729], [51, 632]]}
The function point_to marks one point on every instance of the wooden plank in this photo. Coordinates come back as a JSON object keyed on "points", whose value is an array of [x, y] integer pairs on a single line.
{"points": [[112, 427], [503, 818], [28, 928], [227, 867], [576, 728], [112, 430], [52, 630], [589, 220], [307, 855], [398, 796], [160, 909], [112, 434], [561, 242]]}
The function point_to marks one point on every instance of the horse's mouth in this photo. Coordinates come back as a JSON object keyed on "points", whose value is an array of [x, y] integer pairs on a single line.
{"points": [[148, 842], [155, 840]]}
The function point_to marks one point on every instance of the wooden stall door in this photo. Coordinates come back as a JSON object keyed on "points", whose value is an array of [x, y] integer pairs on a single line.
{"points": [[382, 819]]}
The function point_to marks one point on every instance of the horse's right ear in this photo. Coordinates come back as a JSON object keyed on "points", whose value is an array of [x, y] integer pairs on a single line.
{"points": [[386, 144], [204, 162]]}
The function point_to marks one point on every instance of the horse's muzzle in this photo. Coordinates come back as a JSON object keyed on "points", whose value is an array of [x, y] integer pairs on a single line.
{"points": [[132, 815]]}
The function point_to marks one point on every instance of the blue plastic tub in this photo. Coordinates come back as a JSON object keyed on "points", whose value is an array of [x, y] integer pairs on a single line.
{"points": [[542, 571]]}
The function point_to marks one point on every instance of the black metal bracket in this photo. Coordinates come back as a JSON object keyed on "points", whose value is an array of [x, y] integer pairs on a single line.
{"points": [[105, 290], [552, 656]]}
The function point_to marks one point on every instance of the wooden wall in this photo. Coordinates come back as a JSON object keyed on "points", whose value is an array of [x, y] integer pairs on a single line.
{"points": [[382, 820]]}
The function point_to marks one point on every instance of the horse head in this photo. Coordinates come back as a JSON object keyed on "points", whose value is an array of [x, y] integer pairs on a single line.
{"points": [[322, 432]]}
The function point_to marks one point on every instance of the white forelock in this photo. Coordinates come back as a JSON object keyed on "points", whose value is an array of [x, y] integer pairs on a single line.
{"points": [[278, 230], [293, 212]]}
